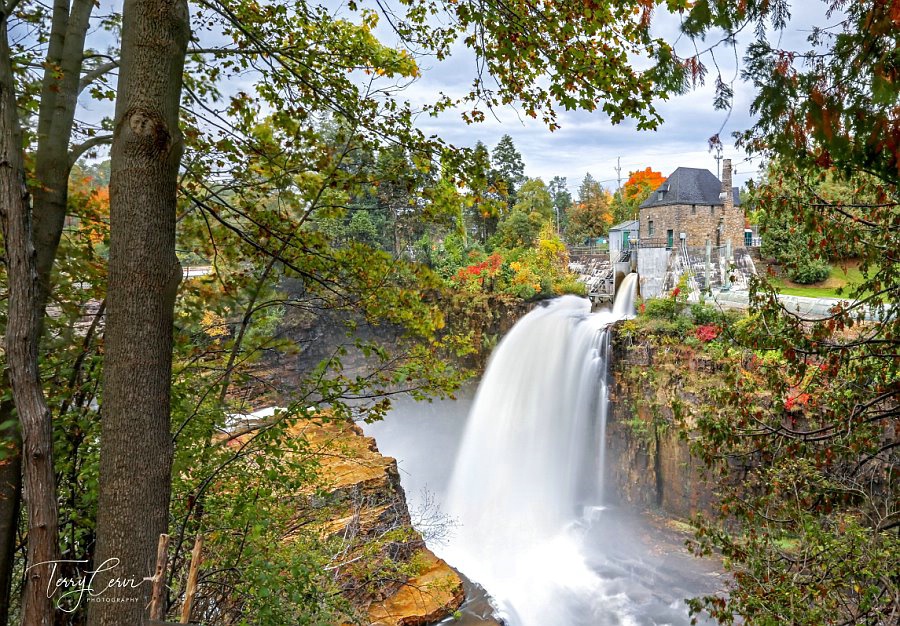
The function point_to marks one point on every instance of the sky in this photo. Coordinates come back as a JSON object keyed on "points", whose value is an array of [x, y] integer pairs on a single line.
{"points": [[588, 143]]}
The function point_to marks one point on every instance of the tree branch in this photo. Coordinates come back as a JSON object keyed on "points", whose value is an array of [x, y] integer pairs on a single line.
{"points": [[10, 7], [77, 151], [91, 75]]}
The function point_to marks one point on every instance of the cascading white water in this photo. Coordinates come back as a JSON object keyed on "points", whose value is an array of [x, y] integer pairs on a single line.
{"points": [[624, 304], [531, 463]]}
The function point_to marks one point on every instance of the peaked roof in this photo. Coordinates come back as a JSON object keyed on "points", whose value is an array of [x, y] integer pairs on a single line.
{"points": [[689, 185], [629, 225]]}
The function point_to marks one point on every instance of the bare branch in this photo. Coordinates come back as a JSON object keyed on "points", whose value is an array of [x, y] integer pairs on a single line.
{"points": [[77, 151], [91, 75]]}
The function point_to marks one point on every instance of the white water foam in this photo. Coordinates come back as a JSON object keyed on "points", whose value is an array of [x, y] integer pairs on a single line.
{"points": [[531, 464]]}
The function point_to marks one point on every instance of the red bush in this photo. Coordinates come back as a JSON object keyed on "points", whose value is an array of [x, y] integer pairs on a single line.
{"points": [[707, 332], [486, 268]]}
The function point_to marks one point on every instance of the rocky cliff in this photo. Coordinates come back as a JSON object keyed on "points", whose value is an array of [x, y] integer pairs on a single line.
{"points": [[385, 569], [656, 392]]}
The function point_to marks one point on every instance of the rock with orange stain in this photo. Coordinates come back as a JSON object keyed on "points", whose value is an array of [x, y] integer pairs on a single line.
{"points": [[363, 499], [428, 597]]}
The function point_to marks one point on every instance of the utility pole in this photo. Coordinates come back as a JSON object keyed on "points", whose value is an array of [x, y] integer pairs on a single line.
{"points": [[718, 159], [619, 173]]}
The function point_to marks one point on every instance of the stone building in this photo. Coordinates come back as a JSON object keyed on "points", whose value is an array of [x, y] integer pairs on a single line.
{"points": [[693, 205]]}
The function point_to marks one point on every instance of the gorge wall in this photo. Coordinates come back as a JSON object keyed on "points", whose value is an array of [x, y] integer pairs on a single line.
{"points": [[655, 394]]}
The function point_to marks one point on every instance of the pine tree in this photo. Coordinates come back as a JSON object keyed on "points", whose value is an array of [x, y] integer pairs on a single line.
{"points": [[589, 189], [507, 162], [590, 217]]}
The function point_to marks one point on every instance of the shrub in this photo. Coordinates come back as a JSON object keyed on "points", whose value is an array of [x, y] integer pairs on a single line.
{"points": [[681, 326], [547, 287], [571, 285], [660, 308], [707, 332], [472, 277], [732, 317], [678, 328], [704, 314], [809, 271]]}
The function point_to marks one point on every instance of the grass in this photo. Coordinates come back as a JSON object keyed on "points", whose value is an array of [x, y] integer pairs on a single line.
{"points": [[840, 282], [787, 544], [681, 526]]}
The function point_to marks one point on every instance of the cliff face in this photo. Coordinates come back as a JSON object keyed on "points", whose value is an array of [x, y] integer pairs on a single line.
{"points": [[484, 318], [386, 571], [654, 397]]}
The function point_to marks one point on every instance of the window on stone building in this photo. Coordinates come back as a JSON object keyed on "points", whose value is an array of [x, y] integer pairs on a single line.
{"points": [[650, 228], [712, 209], [659, 195], [693, 209]]}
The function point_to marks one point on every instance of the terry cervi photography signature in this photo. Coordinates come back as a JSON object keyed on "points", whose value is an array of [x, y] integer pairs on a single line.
{"points": [[72, 589]]}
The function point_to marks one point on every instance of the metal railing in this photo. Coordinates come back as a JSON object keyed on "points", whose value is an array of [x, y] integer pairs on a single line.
{"points": [[588, 250], [653, 242]]}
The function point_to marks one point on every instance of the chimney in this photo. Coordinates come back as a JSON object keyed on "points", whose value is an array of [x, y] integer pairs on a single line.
{"points": [[728, 197]]}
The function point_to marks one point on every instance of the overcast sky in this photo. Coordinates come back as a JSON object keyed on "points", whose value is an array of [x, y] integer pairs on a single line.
{"points": [[588, 142]]}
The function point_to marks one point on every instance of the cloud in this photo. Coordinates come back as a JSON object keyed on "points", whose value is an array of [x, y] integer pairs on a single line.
{"points": [[588, 142]]}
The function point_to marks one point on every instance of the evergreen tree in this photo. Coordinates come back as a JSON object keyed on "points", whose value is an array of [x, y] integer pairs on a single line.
{"points": [[590, 217], [400, 191], [507, 161], [489, 196], [589, 190]]}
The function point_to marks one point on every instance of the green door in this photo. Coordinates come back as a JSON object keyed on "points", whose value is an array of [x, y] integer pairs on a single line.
{"points": [[670, 238], [625, 239]]}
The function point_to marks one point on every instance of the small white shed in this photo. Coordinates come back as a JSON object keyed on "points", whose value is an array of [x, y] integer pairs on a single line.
{"points": [[620, 237]]}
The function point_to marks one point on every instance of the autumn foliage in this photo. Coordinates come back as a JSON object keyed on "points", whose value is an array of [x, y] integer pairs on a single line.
{"points": [[707, 332], [89, 203], [476, 273], [640, 185]]}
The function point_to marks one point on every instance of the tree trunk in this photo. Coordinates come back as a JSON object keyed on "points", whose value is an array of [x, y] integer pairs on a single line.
{"points": [[22, 355], [59, 97], [136, 443], [10, 495]]}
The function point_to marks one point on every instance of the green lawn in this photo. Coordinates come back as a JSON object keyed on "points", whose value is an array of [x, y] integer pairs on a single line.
{"points": [[840, 277]]}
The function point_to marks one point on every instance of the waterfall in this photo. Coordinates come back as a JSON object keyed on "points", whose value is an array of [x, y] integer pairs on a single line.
{"points": [[624, 304], [530, 467]]}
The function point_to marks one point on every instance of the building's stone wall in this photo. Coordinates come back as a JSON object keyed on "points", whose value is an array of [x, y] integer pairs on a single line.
{"points": [[719, 223], [698, 222]]}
